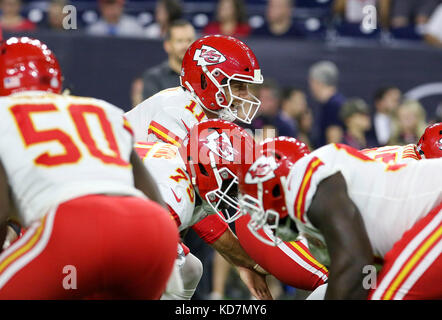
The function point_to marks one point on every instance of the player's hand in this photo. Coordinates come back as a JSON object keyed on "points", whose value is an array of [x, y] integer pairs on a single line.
{"points": [[256, 283]]}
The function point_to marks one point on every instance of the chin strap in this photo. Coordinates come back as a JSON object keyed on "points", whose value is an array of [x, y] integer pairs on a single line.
{"points": [[226, 114]]}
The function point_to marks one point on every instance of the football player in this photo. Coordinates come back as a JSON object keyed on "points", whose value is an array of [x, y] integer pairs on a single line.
{"points": [[290, 262], [429, 146], [68, 165], [215, 77], [354, 210], [199, 179]]}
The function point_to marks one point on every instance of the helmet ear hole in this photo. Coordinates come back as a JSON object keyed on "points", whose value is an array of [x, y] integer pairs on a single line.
{"points": [[203, 170], [276, 192], [203, 81]]}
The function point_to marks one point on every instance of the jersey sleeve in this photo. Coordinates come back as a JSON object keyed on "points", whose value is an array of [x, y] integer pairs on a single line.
{"points": [[210, 228], [164, 164], [304, 177], [176, 198], [290, 262], [168, 128], [137, 118], [393, 154], [178, 115]]}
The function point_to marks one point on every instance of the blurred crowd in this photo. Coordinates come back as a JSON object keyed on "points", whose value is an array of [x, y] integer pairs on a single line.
{"points": [[323, 19], [388, 119]]}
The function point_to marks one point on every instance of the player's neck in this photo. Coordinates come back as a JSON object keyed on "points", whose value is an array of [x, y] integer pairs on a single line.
{"points": [[175, 65]]}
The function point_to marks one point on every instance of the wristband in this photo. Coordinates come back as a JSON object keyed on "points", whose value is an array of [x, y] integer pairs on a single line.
{"points": [[15, 226]]}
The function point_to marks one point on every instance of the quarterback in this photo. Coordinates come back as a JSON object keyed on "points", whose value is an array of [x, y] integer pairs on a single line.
{"points": [[215, 77]]}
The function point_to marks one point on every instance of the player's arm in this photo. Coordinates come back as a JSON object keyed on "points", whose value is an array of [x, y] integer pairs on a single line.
{"points": [[228, 246], [341, 224], [5, 203], [144, 181], [251, 274]]}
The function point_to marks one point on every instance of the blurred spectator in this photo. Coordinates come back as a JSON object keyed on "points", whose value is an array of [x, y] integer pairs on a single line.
{"points": [[438, 115], [386, 101], [355, 114], [279, 20], [11, 20], [323, 82], [433, 29], [113, 21], [305, 128], [136, 92], [166, 12], [270, 114], [55, 16], [351, 11], [350, 14], [409, 124], [179, 37], [411, 12], [294, 103], [231, 19]]}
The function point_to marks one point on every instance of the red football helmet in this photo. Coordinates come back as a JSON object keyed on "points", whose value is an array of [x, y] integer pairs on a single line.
{"points": [[28, 64], [430, 144], [213, 151], [210, 65], [261, 187]]}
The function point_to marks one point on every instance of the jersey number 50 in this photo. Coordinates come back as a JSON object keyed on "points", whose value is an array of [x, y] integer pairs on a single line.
{"points": [[31, 136]]}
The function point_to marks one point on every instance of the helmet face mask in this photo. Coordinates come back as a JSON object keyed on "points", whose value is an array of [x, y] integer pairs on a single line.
{"points": [[267, 220], [223, 200], [237, 107]]}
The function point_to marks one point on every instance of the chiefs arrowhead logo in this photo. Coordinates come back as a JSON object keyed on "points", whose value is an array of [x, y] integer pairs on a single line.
{"points": [[207, 56], [261, 170], [221, 145]]}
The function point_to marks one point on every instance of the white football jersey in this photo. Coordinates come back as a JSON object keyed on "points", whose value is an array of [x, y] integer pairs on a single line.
{"points": [[393, 154], [55, 148], [165, 165], [390, 198], [166, 116]]}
